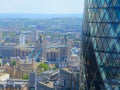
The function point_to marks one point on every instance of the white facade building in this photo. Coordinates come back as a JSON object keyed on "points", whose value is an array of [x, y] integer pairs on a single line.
{"points": [[4, 76], [22, 39]]}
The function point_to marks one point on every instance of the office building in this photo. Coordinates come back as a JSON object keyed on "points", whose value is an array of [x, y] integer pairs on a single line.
{"points": [[0, 35], [13, 85], [70, 79], [22, 39], [34, 36], [22, 51], [45, 86], [7, 50], [31, 83], [4, 77], [101, 44], [52, 54]]}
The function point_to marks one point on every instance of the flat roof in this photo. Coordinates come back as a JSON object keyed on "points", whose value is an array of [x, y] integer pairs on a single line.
{"points": [[67, 70], [47, 84], [52, 50], [24, 47], [3, 74]]}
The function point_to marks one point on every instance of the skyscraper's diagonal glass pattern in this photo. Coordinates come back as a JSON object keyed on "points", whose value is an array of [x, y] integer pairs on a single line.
{"points": [[101, 43]]}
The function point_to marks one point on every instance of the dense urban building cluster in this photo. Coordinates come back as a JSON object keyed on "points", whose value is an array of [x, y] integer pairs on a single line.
{"points": [[35, 60]]}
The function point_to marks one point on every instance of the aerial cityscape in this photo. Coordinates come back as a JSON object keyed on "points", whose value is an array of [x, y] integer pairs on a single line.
{"points": [[60, 45], [38, 54]]}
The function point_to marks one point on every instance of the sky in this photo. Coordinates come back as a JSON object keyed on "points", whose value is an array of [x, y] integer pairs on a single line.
{"points": [[42, 6]]}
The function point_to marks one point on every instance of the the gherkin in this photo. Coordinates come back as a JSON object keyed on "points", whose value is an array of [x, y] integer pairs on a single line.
{"points": [[101, 44]]}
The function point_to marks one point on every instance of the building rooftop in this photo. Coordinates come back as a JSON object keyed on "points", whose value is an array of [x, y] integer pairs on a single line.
{"points": [[3, 74], [67, 70], [56, 45], [52, 50], [24, 47], [19, 83], [9, 43], [47, 84]]}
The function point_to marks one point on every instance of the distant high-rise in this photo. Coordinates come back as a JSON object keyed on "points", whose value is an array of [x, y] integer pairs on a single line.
{"points": [[31, 84], [34, 35], [101, 44], [22, 39], [0, 35]]}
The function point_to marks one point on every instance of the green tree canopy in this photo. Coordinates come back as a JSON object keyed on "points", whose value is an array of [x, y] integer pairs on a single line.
{"points": [[13, 62], [44, 66], [25, 77]]}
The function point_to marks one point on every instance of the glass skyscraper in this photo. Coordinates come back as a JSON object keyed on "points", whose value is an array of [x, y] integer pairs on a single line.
{"points": [[101, 44]]}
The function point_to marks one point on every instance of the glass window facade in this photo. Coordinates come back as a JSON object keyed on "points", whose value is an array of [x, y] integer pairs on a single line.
{"points": [[101, 43]]}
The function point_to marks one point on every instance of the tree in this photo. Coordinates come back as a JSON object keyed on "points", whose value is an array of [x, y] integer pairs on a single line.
{"points": [[25, 76], [43, 66], [13, 63], [55, 68]]}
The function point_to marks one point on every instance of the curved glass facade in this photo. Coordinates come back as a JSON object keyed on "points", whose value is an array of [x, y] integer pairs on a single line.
{"points": [[101, 43]]}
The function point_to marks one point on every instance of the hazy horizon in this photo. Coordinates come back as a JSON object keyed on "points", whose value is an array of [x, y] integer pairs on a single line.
{"points": [[37, 16]]}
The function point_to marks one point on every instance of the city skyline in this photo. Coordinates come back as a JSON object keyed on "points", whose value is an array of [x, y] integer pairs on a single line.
{"points": [[42, 6]]}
